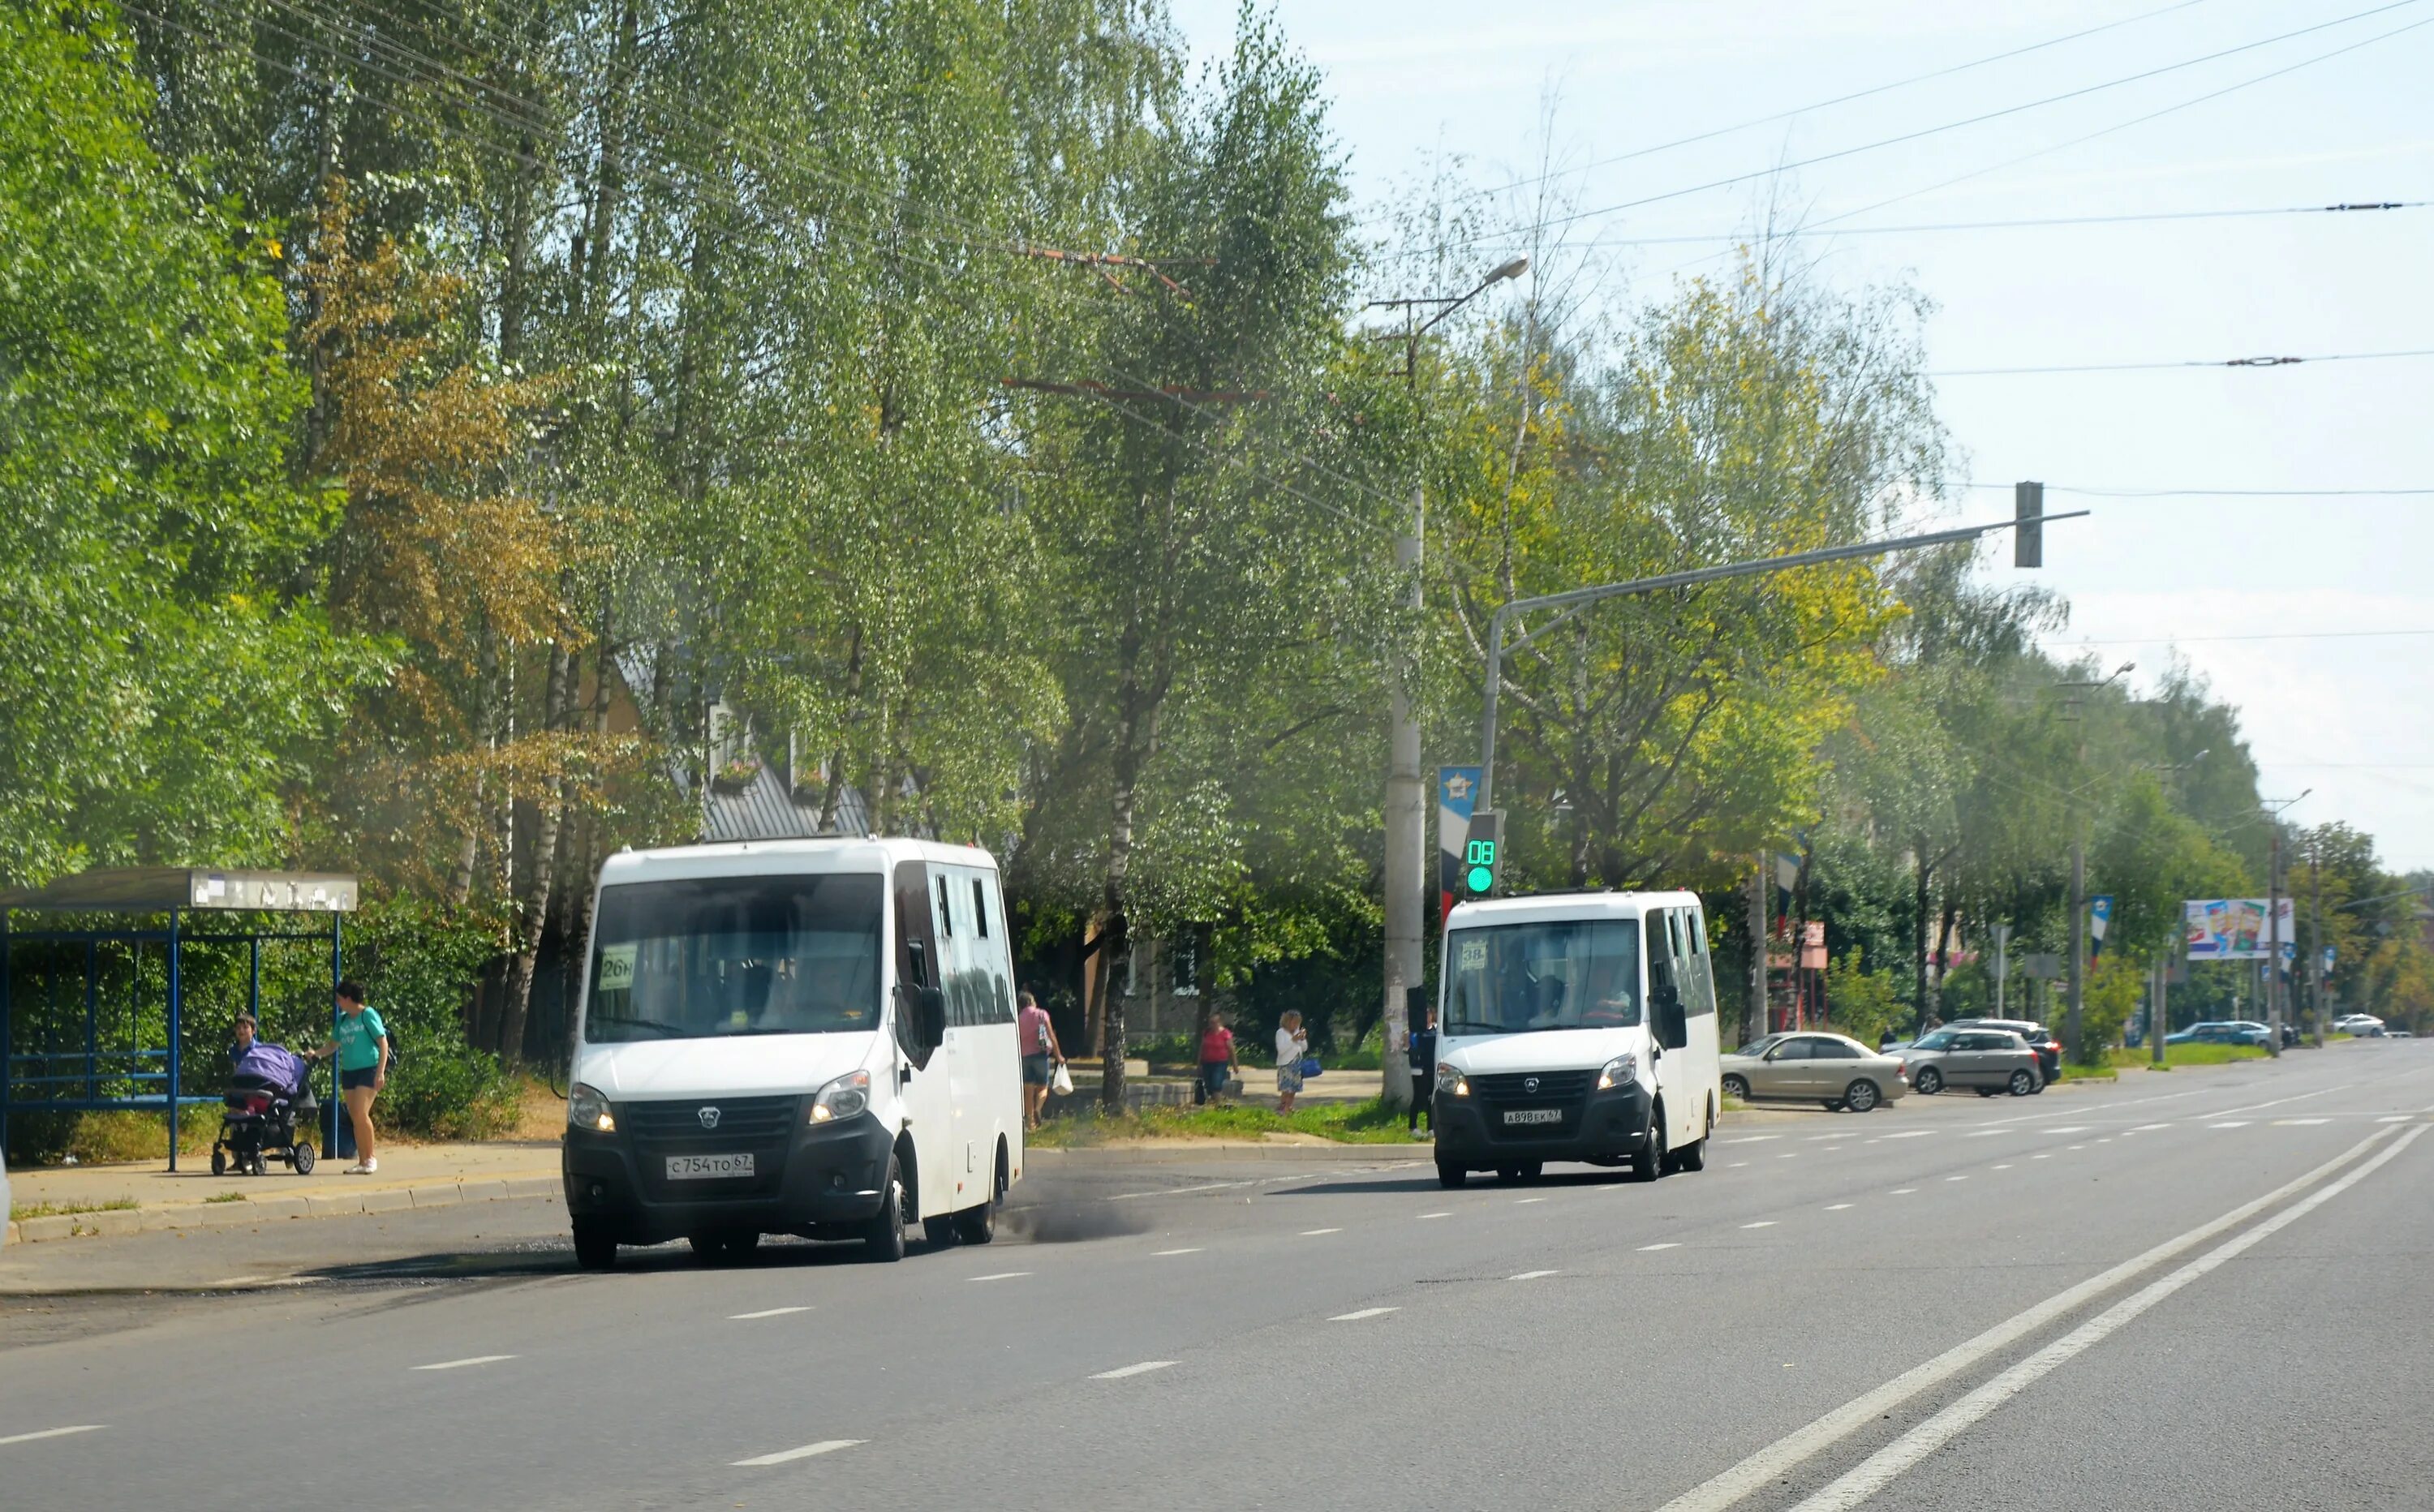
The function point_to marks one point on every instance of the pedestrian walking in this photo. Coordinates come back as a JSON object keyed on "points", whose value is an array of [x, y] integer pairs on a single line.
{"points": [[362, 1048], [1292, 1045], [1423, 1044], [1040, 1053], [1216, 1060]]}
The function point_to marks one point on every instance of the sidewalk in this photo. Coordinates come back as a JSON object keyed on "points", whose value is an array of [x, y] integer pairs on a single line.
{"points": [[410, 1175]]}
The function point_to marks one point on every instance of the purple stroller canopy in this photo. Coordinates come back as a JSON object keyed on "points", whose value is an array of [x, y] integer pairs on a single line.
{"points": [[272, 1066]]}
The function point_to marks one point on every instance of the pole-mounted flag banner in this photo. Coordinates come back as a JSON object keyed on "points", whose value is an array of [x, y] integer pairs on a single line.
{"points": [[2099, 918], [1457, 790]]}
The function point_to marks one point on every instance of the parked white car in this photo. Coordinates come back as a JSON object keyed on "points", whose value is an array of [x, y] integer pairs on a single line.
{"points": [[2365, 1025]]}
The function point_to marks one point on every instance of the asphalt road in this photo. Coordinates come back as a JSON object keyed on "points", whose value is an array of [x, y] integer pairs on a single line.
{"points": [[2198, 1291]]}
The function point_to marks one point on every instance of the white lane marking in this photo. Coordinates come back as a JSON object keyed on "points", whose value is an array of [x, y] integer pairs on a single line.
{"points": [[1436, 1214], [766, 1312], [1313, 1233], [1836, 1207], [1735, 1165], [1989, 1133], [54, 1433], [1789, 1155], [1670, 1244], [2145, 1128], [1178, 1191], [1907, 1133], [1832, 1148], [1772, 1463], [1956, 1177], [2075, 1128], [2396, 1118], [1002, 1275], [2298, 1123], [2106, 1140], [1191, 1250], [1753, 1139], [1523, 1202], [1366, 1311], [826, 1446], [1529, 1275], [1879, 1469], [2046, 1155], [2074, 1146], [459, 1365], [2237, 1123], [1142, 1368], [1762, 1223], [1818, 1139], [2296, 1096], [2004, 1167], [1902, 1191]]}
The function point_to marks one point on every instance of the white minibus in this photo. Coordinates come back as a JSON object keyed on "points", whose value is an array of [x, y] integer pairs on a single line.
{"points": [[813, 1037], [1576, 1027]]}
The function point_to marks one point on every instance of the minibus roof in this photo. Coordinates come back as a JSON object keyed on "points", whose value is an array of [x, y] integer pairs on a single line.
{"points": [[1545, 907], [779, 857]]}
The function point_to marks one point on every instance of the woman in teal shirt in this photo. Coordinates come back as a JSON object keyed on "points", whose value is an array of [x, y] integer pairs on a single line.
{"points": [[361, 1045]]}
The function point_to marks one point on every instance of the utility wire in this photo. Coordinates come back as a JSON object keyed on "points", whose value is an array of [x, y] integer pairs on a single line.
{"points": [[2215, 493], [2281, 634], [1553, 221], [1820, 104], [2041, 220], [2152, 367]]}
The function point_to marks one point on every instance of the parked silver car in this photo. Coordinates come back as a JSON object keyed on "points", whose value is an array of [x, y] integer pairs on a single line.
{"points": [[1988, 1062], [1826, 1068]]}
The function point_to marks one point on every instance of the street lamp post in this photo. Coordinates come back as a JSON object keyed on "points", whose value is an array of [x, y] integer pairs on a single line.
{"points": [[2076, 983], [1405, 808]]}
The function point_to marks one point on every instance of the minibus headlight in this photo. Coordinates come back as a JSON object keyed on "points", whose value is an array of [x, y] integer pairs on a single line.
{"points": [[587, 1109], [1450, 1081], [845, 1098], [1619, 1072]]}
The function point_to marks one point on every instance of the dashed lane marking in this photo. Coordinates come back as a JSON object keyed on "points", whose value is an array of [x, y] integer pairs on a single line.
{"points": [[1523, 1202], [2237, 1123], [54, 1433], [459, 1365], [1670, 1244], [1907, 1133], [766, 1312], [1002, 1275], [1836, 1207], [1313, 1233], [2148, 1127], [1190, 1249], [1753, 1139], [1529, 1275], [2298, 1123], [1142, 1368], [1178, 1191], [1762, 1223], [1356, 1316], [826, 1446], [1902, 1191], [2003, 1167], [1956, 1177], [1436, 1214]]}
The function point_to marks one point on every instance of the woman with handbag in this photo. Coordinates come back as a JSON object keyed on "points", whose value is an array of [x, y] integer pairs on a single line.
{"points": [[1043, 1057], [1292, 1045]]}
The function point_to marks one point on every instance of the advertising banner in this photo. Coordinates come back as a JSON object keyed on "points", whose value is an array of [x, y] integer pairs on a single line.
{"points": [[1457, 789], [2232, 928]]}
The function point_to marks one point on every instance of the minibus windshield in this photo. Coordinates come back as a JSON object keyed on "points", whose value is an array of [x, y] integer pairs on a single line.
{"points": [[1571, 974], [712, 957]]}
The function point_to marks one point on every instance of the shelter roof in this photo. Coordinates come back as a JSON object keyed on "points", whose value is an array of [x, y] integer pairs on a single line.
{"points": [[160, 888]]}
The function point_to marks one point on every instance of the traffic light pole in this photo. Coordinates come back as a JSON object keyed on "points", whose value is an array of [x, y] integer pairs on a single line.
{"points": [[1571, 603]]}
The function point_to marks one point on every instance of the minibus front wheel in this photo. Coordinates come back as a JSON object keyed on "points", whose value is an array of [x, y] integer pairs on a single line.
{"points": [[882, 1239]]}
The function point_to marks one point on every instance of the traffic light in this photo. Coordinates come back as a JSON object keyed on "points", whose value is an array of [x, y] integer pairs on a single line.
{"points": [[1483, 854], [2027, 541]]}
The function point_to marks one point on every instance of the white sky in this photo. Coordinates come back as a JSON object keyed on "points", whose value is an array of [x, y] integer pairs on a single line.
{"points": [[2346, 717]]}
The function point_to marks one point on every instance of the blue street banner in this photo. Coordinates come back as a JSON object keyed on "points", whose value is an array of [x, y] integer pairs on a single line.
{"points": [[2099, 918], [1457, 791], [2328, 961]]}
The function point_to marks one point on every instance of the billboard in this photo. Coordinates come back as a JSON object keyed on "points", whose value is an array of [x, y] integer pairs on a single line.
{"points": [[2232, 928]]}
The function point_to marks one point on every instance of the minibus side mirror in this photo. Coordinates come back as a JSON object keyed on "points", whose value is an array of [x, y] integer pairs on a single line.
{"points": [[1672, 1026], [934, 1017], [917, 957]]}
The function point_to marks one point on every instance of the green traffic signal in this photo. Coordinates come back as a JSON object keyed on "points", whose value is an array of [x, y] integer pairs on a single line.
{"points": [[1482, 850], [1480, 879]]}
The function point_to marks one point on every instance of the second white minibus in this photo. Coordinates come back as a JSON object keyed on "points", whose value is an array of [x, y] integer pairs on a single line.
{"points": [[1576, 1027]]}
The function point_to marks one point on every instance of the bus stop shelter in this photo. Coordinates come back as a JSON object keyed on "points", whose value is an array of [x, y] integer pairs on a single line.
{"points": [[67, 1047]]}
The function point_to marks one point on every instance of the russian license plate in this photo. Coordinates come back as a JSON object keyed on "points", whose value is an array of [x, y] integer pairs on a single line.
{"points": [[1534, 1116], [708, 1167]]}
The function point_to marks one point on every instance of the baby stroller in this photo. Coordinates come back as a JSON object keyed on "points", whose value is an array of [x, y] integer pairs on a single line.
{"points": [[267, 1098]]}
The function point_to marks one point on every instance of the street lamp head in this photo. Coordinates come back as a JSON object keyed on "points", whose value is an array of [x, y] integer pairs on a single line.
{"points": [[2123, 670], [1510, 270]]}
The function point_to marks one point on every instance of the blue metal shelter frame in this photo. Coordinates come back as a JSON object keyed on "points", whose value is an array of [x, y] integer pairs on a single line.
{"points": [[188, 896]]}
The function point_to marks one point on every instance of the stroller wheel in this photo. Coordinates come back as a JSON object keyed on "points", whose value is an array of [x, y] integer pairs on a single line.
{"points": [[220, 1160], [259, 1166], [301, 1158]]}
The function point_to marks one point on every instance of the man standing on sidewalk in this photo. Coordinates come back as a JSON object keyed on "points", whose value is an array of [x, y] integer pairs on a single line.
{"points": [[1423, 1042]]}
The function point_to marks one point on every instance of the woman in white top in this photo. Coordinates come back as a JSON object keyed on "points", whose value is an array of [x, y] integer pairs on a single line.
{"points": [[1292, 1045]]}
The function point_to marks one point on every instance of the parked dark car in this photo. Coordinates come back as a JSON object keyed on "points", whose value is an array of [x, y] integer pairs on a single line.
{"points": [[2040, 1038]]}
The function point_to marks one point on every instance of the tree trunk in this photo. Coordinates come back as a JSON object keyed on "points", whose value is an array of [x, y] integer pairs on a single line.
{"points": [[1918, 935], [532, 908], [1136, 739], [832, 780], [1943, 946]]}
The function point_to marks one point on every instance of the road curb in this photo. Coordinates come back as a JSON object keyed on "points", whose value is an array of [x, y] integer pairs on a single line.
{"points": [[115, 1222]]}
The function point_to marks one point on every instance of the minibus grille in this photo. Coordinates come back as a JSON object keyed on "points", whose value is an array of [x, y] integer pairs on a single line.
{"points": [[1514, 1087], [681, 1122]]}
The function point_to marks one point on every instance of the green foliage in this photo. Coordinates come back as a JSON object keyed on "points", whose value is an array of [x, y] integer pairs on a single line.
{"points": [[1863, 1004], [417, 960], [165, 677], [2111, 995]]}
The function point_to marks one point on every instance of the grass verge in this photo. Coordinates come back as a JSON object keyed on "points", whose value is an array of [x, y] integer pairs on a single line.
{"points": [[2190, 1054], [227, 1197], [1374, 1122], [2089, 1073], [19, 1211]]}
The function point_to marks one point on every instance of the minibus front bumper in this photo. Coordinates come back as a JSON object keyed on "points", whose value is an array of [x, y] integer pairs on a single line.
{"points": [[805, 1178], [1603, 1128]]}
